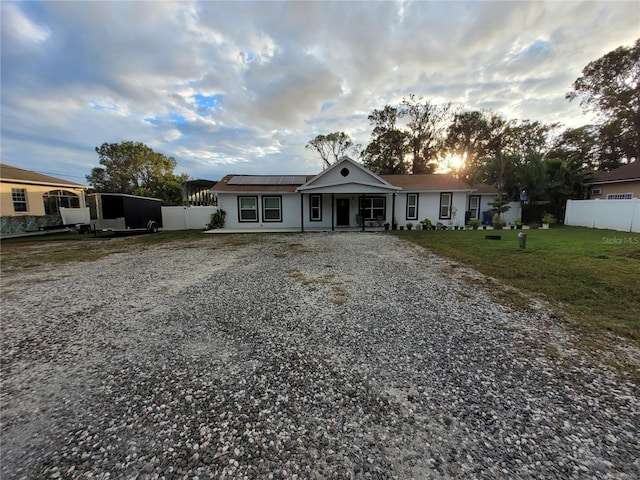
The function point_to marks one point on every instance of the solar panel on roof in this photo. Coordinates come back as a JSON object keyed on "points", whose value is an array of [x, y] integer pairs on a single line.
{"points": [[267, 180]]}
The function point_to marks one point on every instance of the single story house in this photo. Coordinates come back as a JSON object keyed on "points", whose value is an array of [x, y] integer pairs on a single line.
{"points": [[623, 183], [29, 200], [347, 195]]}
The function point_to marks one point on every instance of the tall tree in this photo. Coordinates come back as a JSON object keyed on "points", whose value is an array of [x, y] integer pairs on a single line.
{"points": [[427, 124], [385, 154], [136, 169], [331, 147], [496, 165], [468, 137], [610, 86], [579, 146]]}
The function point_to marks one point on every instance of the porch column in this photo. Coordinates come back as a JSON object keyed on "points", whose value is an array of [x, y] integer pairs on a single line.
{"points": [[360, 209], [333, 201], [393, 211], [301, 212]]}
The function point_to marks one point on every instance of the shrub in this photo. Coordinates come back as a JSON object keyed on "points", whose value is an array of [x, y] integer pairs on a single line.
{"points": [[426, 224], [475, 223], [498, 221], [217, 218], [548, 218]]}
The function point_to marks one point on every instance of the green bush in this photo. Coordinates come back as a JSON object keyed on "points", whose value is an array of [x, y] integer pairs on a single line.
{"points": [[217, 219], [475, 223]]}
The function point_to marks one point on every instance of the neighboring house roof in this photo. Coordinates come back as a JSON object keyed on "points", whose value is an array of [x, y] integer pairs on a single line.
{"points": [[9, 174], [626, 173]]}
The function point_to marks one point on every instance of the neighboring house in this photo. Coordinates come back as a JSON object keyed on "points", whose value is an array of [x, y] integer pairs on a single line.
{"points": [[623, 183], [29, 200], [347, 195]]}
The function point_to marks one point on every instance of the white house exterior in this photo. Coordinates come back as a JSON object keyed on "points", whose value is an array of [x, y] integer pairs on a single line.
{"points": [[347, 195]]}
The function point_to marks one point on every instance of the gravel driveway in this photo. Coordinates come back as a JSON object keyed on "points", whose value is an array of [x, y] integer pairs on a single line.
{"points": [[344, 355]]}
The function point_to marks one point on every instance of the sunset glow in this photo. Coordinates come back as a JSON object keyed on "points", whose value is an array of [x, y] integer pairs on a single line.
{"points": [[452, 163]]}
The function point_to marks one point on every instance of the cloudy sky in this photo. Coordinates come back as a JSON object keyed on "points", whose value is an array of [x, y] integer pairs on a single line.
{"points": [[241, 87]]}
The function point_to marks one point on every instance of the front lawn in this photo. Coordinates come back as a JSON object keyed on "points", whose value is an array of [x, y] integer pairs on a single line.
{"points": [[591, 275]]}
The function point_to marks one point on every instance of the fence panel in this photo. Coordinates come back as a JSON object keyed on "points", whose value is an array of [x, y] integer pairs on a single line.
{"points": [[186, 218], [621, 215]]}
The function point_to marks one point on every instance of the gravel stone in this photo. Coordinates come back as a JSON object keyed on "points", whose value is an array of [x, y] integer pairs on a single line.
{"points": [[297, 356]]}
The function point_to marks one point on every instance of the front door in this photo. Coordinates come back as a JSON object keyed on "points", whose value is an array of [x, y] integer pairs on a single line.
{"points": [[342, 212]]}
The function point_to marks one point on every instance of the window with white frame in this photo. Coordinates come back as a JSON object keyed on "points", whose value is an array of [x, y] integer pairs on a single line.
{"points": [[445, 205], [315, 206], [474, 206], [619, 196], [248, 209], [19, 197], [372, 207], [272, 209], [412, 206]]}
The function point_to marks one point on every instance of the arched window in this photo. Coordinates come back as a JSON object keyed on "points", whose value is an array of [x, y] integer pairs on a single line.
{"points": [[55, 199]]}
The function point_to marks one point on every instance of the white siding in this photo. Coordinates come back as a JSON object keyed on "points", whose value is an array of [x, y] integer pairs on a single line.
{"points": [[290, 210]]}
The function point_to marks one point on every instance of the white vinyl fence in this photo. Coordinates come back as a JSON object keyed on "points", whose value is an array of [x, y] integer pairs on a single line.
{"points": [[622, 215], [186, 218]]}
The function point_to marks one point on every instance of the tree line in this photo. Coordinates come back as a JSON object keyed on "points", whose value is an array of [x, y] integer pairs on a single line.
{"points": [[548, 163], [415, 136]]}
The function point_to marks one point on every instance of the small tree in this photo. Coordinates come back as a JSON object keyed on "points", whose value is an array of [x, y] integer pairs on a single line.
{"points": [[499, 206]]}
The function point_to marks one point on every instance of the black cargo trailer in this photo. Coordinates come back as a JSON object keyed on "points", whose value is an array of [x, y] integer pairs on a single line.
{"points": [[120, 212]]}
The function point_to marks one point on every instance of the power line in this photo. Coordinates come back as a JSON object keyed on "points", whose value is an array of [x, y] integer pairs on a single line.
{"points": [[59, 174]]}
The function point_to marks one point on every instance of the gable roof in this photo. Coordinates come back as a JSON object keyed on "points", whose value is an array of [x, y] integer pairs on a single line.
{"points": [[626, 173], [20, 175], [347, 172]]}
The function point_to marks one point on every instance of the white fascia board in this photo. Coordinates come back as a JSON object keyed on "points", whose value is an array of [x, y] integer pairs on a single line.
{"points": [[386, 188], [349, 188], [44, 184]]}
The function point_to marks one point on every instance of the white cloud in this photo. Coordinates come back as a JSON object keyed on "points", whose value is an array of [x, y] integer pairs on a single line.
{"points": [[22, 29], [77, 74]]}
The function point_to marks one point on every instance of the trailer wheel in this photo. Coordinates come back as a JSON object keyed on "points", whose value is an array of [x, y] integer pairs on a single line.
{"points": [[153, 227]]}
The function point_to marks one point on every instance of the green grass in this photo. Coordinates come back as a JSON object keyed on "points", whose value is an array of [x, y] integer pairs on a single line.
{"points": [[591, 275]]}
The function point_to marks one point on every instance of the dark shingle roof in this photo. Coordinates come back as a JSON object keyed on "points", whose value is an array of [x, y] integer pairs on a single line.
{"points": [[433, 182], [626, 173], [426, 182]]}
